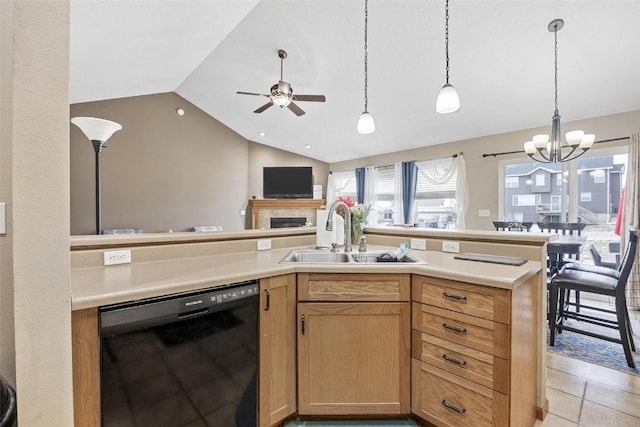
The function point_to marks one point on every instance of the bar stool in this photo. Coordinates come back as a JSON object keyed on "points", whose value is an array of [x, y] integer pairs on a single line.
{"points": [[601, 281]]}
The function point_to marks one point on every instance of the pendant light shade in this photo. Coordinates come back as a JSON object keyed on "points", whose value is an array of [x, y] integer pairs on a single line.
{"points": [[448, 100], [366, 124]]}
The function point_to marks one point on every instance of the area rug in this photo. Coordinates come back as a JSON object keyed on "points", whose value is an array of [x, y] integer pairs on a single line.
{"points": [[594, 350]]}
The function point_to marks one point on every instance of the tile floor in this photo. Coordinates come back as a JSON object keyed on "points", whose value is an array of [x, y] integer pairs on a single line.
{"points": [[583, 394]]}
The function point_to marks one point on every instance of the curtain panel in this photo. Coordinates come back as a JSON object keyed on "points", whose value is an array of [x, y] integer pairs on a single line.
{"points": [[631, 217], [409, 184]]}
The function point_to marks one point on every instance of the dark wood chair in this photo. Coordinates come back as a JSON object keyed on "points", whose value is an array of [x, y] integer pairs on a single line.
{"points": [[600, 281], [511, 225]]}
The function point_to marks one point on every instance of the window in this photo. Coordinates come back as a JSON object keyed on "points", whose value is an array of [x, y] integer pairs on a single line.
{"points": [[343, 185], [559, 179], [435, 205], [585, 197], [599, 176], [385, 190], [525, 199], [512, 182], [540, 180]]}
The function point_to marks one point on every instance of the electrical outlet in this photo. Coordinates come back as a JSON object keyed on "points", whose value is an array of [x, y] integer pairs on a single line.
{"points": [[117, 257], [484, 212], [264, 244], [420, 244], [448, 246]]}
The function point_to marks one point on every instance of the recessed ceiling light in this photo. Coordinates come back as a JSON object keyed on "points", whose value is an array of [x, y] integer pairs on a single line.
{"points": [[307, 146], [261, 133], [180, 112]]}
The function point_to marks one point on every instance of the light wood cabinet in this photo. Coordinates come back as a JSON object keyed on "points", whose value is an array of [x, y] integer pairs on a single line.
{"points": [[353, 355], [277, 364], [474, 353]]}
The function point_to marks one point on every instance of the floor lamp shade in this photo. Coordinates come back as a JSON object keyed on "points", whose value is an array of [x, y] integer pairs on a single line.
{"points": [[98, 131]]}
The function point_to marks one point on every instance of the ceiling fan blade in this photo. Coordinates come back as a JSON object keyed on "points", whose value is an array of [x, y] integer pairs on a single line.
{"points": [[296, 110], [312, 98], [264, 107], [251, 93]]}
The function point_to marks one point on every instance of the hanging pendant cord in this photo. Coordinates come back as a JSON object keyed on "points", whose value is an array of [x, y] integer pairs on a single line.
{"points": [[555, 36], [366, 55], [446, 37]]}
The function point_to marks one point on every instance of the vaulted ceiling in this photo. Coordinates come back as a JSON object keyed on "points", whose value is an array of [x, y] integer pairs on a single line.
{"points": [[501, 59]]}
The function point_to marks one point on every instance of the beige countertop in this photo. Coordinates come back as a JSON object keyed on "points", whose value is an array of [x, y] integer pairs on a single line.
{"points": [[97, 286]]}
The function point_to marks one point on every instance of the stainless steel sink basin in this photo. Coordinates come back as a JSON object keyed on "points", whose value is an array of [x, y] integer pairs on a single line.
{"points": [[314, 256], [373, 257]]}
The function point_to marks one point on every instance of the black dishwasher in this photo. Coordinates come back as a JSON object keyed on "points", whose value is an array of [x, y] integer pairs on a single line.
{"points": [[184, 360]]}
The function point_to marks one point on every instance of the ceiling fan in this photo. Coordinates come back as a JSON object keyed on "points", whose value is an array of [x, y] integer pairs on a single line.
{"points": [[282, 94]]}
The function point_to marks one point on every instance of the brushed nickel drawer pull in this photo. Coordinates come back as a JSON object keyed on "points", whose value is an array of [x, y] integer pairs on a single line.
{"points": [[454, 328], [267, 297], [453, 407], [453, 360], [454, 296]]}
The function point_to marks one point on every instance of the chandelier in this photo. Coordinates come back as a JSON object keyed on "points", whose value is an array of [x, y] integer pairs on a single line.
{"points": [[544, 150]]}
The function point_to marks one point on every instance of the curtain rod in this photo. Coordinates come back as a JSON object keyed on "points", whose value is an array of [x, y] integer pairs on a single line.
{"points": [[522, 151], [438, 158]]}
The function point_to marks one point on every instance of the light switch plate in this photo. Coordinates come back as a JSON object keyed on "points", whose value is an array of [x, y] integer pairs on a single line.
{"points": [[420, 244], [3, 218], [264, 244], [484, 212]]}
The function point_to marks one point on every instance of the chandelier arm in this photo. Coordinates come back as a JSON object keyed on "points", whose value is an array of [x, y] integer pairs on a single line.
{"points": [[566, 157], [584, 150], [541, 154]]}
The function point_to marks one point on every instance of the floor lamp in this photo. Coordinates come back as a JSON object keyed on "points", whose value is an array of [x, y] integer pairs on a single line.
{"points": [[98, 131]]}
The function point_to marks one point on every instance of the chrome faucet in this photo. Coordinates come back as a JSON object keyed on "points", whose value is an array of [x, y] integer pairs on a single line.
{"points": [[347, 222]]}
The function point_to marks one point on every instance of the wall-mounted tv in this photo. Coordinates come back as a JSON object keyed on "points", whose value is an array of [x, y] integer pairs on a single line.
{"points": [[287, 182]]}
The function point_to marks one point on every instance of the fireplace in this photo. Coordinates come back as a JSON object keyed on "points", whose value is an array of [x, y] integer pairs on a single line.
{"points": [[288, 222]]}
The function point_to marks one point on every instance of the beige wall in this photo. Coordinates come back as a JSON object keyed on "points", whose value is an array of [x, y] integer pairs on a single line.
{"points": [[167, 172], [34, 182], [483, 172]]}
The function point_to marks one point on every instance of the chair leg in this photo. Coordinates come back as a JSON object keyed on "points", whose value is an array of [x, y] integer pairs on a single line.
{"points": [[623, 327], [631, 341], [577, 301], [553, 313]]}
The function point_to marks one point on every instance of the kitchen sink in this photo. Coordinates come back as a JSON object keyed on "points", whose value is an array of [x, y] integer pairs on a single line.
{"points": [[381, 257], [314, 256]]}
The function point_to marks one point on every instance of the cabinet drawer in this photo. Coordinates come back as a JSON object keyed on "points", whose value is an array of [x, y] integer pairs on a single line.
{"points": [[449, 400], [353, 287], [481, 301], [482, 368], [479, 334]]}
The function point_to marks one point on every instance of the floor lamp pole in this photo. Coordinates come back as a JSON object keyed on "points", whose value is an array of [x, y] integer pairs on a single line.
{"points": [[97, 147]]}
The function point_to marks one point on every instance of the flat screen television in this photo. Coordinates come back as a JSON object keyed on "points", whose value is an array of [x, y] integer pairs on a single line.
{"points": [[287, 182]]}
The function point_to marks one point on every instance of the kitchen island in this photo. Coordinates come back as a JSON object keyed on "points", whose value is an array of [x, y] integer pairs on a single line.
{"points": [[181, 262]]}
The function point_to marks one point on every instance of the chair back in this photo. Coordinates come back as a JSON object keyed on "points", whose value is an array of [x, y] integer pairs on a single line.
{"points": [[627, 262], [509, 225], [570, 228], [501, 225], [597, 259]]}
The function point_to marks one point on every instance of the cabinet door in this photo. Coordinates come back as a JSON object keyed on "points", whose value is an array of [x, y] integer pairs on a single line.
{"points": [[277, 364], [353, 358]]}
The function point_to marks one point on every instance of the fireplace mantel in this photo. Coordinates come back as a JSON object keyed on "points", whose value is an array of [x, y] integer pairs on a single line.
{"points": [[261, 209]]}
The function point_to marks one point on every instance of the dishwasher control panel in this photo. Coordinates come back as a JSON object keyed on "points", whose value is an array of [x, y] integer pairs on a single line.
{"points": [[218, 296]]}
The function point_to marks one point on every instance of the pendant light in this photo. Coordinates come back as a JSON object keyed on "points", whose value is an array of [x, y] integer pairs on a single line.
{"points": [[543, 150], [448, 100], [366, 124]]}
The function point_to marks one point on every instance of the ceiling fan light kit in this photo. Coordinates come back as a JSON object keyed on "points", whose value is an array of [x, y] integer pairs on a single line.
{"points": [[281, 93], [448, 100], [544, 150]]}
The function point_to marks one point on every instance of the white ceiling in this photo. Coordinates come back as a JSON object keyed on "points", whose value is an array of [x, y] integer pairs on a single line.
{"points": [[501, 59]]}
